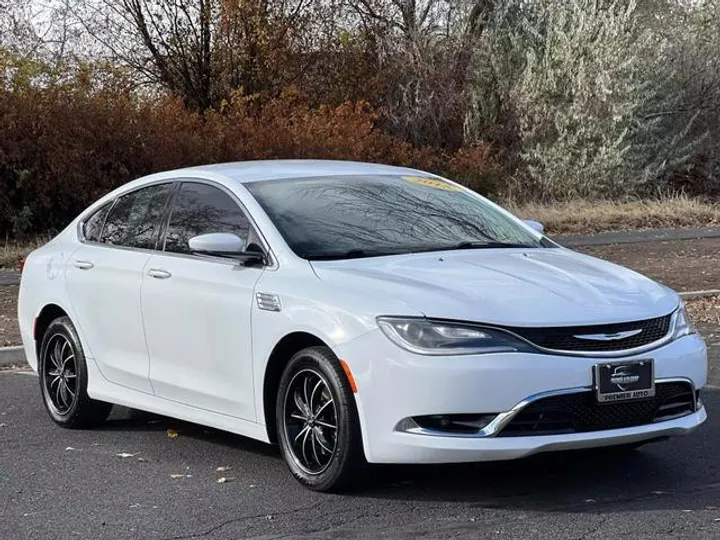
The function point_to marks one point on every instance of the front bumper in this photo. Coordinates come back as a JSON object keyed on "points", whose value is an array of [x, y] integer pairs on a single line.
{"points": [[394, 385]]}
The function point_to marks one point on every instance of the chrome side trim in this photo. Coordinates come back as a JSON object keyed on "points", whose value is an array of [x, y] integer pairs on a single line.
{"points": [[503, 419]]}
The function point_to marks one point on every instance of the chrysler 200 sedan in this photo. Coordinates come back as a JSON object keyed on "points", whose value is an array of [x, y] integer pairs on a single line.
{"points": [[352, 314]]}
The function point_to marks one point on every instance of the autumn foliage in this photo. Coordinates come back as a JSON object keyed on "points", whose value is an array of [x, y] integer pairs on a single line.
{"points": [[63, 147]]}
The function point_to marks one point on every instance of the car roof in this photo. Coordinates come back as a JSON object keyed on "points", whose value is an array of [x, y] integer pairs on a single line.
{"points": [[258, 171]]}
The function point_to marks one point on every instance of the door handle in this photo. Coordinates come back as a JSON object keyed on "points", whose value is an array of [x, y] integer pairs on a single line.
{"points": [[83, 265], [158, 273]]}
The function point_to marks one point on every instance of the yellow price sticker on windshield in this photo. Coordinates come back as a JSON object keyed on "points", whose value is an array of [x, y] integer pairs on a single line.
{"points": [[431, 182]]}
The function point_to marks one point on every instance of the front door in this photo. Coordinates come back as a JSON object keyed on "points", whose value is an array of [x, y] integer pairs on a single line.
{"points": [[197, 309]]}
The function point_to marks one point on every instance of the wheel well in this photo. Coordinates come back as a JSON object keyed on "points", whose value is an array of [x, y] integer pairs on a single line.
{"points": [[280, 356], [48, 314]]}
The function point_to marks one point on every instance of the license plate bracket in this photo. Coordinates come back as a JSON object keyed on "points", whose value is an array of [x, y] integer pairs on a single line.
{"points": [[624, 381]]}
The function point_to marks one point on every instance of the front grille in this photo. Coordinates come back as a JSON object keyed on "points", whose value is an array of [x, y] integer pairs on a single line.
{"points": [[563, 338], [580, 412]]}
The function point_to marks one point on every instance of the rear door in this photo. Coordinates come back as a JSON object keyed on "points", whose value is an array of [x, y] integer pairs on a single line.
{"points": [[104, 278], [197, 309]]}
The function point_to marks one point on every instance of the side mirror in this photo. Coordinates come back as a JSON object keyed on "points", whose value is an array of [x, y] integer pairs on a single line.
{"points": [[217, 244], [226, 245], [535, 225]]}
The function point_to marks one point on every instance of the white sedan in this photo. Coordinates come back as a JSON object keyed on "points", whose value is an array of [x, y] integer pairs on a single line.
{"points": [[352, 313]]}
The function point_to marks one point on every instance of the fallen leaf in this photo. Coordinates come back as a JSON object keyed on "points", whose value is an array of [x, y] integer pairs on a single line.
{"points": [[223, 469], [124, 455], [3, 425], [172, 434], [224, 480]]}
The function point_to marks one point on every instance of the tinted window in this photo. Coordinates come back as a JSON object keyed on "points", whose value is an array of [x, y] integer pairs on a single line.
{"points": [[133, 221], [369, 215], [202, 209], [94, 224]]}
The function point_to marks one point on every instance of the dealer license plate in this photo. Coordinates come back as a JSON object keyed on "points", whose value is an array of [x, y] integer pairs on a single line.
{"points": [[624, 381]]}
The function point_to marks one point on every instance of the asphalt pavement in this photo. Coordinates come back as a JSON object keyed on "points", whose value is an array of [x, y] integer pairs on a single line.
{"points": [[9, 278], [129, 479]]}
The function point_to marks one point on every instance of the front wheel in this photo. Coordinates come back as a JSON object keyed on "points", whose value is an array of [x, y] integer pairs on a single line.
{"points": [[63, 378], [318, 427]]}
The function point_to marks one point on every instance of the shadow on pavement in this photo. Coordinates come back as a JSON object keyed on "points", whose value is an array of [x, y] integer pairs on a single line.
{"points": [[656, 476]]}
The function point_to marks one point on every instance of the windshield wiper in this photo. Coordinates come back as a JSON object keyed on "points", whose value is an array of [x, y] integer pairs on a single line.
{"points": [[474, 245], [351, 254], [487, 245], [364, 253]]}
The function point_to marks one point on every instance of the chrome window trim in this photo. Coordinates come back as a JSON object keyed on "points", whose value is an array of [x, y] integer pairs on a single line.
{"points": [[272, 260], [500, 422]]}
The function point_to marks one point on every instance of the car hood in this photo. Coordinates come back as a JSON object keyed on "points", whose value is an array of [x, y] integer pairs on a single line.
{"points": [[511, 287]]}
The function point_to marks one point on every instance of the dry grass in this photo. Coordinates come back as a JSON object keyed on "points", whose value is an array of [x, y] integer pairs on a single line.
{"points": [[580, 216], [11, 252]]}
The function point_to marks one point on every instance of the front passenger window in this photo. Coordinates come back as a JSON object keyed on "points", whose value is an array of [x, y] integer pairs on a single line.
{"points": [[202, 209]]}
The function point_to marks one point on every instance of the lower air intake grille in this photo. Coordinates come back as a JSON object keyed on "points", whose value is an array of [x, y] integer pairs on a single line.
{"points": [[578, 413]]}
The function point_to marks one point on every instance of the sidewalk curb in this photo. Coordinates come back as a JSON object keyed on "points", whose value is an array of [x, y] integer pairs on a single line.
{"points": [[696, 295], [12, 356]]}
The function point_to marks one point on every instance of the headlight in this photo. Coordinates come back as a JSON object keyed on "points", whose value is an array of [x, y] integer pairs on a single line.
{"points": [[683, 326], [435, 338]]}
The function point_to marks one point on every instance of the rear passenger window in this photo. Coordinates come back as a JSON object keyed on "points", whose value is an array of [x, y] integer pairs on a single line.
{"points": [[202, 209], [134, 221], [94, 224]]}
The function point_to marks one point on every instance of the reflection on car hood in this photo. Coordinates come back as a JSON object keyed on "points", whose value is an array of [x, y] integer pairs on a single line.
{"points": [[516, 287]]}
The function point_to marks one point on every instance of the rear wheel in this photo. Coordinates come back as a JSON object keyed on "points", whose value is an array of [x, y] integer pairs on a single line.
{"points": [[63, 378], [318, 427]]}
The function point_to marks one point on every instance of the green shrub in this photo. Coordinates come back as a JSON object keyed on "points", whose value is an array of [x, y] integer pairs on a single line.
{"points": [[584, 85]]}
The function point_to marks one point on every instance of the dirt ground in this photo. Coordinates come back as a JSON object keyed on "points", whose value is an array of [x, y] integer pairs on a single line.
{"points": [[684, 265], [9, 332]]}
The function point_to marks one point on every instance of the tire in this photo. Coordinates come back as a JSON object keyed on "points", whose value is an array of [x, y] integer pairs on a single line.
{"points": [[320, 457], [63, 376]]}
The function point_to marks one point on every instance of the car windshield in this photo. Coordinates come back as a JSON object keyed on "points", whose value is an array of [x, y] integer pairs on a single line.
{"points": [[343, 217]]}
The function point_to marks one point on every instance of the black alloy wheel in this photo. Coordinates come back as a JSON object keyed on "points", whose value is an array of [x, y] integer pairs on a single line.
{"points": [[317, 421], [64, 378]]}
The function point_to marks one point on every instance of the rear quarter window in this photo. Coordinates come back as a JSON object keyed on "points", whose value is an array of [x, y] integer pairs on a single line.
{"points": [[92, 227]]}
